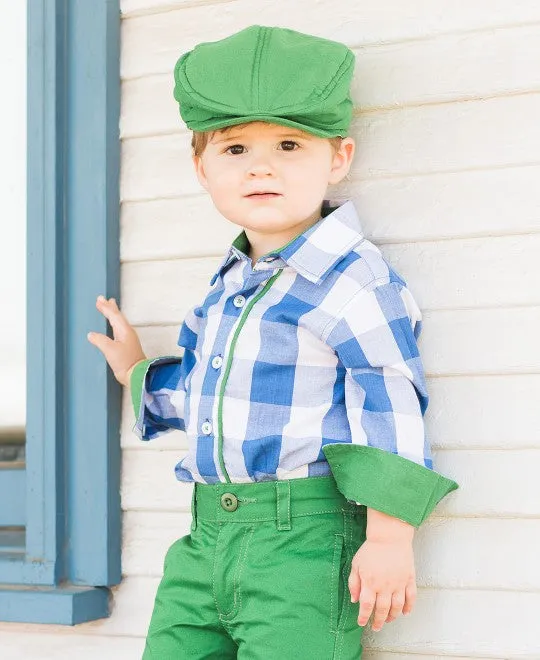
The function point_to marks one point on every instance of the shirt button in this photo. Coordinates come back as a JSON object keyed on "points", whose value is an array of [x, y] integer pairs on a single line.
{"points": [[269, 258], [206, 427], [229, 502], [217, 361], [239, 301]]}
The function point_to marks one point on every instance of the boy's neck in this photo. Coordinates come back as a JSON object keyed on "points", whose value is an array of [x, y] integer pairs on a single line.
{"points": [[261, 244]]}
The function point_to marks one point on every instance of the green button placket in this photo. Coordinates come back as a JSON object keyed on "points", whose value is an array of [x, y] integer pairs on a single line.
{"points": [[228, 368]]}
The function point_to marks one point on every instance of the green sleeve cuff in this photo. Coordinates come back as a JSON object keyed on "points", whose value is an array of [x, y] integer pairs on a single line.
{"points": [[137, 380], [387, 482], [136, 383]]}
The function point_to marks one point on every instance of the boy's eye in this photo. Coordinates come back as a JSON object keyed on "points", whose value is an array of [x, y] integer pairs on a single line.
{"points": [[288, 145], [235, 146]]}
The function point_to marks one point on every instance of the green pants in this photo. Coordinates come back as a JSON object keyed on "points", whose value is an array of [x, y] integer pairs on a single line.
{"points": [[262, 576]]}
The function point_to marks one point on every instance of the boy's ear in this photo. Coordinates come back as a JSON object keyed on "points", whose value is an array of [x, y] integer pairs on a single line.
{"points": [[199, 171], [341, 163]]}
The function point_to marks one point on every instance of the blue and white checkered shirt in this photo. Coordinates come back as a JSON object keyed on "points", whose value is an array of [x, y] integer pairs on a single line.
{"points": [[315, 344]]}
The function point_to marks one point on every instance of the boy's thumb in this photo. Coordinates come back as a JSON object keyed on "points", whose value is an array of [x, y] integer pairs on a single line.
{"points": [[101, 341]]}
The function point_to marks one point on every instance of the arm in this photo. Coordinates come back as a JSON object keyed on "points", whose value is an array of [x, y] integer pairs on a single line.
{"points": [[388, 465], [382, 577], [158, 386]]}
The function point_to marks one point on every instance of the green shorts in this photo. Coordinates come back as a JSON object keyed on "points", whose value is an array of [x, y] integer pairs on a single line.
{"points": [[263, 575]]}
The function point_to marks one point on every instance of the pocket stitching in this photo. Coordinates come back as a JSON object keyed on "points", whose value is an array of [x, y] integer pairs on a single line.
{"points": [[336, 568], [237, 590], [346, 605]]}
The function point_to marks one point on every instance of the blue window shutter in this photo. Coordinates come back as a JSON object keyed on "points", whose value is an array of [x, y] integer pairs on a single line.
{"points": [[13, 496], [72, 550]]}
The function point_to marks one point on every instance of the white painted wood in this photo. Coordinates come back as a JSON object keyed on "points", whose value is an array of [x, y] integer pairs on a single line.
{"points": [[494, 483], [382, 655], [61, 646], [481, 341], [149, 482], [484, 412], [470, 273], [448, 205], [464, 622], [13, 64], [152, 44], [146, 537], [171, 228], [447, 68], [157, 167], [158, 288], [448, 137], [484, 549], [131, 8]]}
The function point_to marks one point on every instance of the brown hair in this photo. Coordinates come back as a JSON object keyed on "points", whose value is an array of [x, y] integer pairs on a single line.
{"points": [[200, 139]]}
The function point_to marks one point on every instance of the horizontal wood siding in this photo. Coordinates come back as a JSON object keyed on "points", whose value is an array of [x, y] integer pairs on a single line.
{"points": [[445, 179]]}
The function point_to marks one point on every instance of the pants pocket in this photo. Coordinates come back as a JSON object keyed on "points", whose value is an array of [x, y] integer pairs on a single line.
{"points": [[338, 583]]}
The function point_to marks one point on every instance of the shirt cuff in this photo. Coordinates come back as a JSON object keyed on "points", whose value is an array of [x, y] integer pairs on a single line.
{"points": [[387, 482], [137, 381]]}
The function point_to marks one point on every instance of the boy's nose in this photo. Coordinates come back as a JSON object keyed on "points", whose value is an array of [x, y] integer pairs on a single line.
{"points": [[260, 168]]}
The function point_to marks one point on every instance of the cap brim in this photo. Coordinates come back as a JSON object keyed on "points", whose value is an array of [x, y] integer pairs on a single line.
{"points": [[216, 124]]}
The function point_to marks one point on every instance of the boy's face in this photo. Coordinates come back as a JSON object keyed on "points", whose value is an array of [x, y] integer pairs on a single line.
{"points": [[296, 167]]}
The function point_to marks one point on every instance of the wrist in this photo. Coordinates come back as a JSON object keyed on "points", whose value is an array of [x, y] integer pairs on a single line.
{"points": [[130, 371], [383, 527]]}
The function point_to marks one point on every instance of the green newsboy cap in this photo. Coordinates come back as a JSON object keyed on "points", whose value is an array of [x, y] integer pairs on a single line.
{"points": [[270, 74]]}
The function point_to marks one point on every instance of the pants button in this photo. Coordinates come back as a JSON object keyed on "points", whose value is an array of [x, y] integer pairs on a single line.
{"points": [[229, 502]]}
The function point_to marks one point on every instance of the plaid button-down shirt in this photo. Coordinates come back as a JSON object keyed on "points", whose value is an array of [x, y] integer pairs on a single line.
{"points": [[314, 344]]}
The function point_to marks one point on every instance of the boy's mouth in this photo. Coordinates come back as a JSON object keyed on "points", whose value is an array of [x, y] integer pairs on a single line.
{"points": [[263, 195]]}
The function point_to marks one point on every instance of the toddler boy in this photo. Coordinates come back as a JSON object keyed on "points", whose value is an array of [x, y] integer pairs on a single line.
{"points": [[300, 389]]}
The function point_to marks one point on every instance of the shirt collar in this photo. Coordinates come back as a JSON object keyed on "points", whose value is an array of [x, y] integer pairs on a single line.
{"points": [[315, 251]]}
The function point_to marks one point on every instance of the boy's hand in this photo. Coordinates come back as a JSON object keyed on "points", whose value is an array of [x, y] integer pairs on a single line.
{"points": [[124, 351], [382, 574]]}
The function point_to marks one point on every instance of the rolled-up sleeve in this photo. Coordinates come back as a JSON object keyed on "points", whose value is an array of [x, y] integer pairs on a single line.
{"points": [[158, 385], [388, 464]]}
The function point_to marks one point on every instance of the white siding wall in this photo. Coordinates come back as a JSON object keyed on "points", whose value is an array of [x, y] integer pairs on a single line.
{"points": [[13, 218], [446, 179]]}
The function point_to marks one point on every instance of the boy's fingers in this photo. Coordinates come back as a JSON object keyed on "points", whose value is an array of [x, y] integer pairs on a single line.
{"points": [[410, 596], [107, 308], [367, 602], [354, 585], [398, 600], [382, 607], [111, 312], [109, 304], [101, 341]]}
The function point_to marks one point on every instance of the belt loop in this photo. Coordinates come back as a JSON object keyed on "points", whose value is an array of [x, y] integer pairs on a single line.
{"points": [[283, 504], [194, 508]]}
